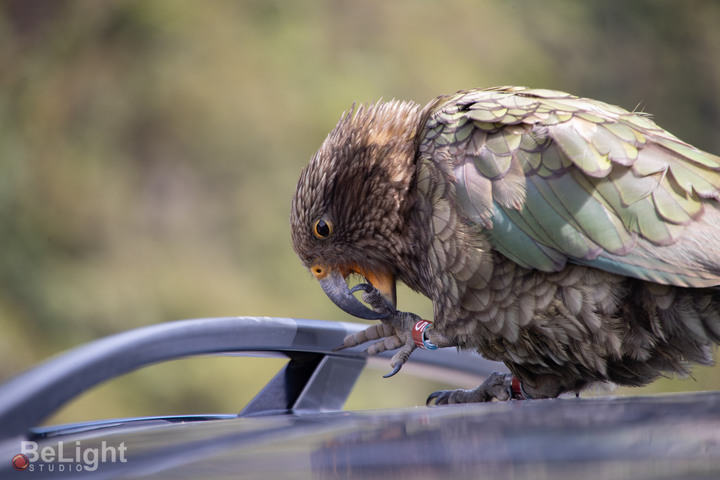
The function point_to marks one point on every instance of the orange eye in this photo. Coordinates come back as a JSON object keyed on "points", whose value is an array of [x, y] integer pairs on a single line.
{"points": [[323, 229]]}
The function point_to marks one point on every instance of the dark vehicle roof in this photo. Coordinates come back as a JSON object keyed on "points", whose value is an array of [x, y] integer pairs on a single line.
{"points": [[294, 428]]}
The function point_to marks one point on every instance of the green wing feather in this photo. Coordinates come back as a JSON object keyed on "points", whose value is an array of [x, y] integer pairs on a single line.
{"points": [[554, 178]]}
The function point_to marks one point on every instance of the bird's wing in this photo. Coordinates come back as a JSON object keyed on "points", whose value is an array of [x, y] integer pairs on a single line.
{"points": [[554, 178]]}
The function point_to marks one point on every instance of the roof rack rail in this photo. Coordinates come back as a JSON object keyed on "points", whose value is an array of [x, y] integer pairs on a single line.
{"points": [[315, 379]]}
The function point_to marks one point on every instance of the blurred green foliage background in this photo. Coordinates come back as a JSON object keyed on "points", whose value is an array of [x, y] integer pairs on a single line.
{"points": [[149, 150]]}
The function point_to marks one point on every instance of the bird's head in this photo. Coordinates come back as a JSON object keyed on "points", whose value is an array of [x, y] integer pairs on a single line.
{"points": [[350, 207]]}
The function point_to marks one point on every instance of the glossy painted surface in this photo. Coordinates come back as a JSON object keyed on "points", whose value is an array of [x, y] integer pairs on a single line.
{"points": [[600, 438]]}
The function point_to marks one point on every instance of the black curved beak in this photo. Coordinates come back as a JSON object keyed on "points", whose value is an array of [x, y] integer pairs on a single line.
{"points": [[333, 284]]}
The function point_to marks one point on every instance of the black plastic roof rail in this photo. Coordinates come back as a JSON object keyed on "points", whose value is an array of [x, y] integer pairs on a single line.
{"points": [[315, 379]]}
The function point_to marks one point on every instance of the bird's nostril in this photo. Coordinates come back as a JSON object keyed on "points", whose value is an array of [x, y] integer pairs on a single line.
{"points": [[318, 271]]}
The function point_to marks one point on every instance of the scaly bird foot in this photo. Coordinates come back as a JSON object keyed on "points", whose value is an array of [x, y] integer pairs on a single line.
{"points": [[501, 386], [395, 331]]}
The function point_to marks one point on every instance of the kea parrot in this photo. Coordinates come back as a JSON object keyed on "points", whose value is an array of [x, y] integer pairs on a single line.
{"points": [[575, 241]]}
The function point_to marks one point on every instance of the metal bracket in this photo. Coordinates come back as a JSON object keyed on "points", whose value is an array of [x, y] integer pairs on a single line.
{"points": [[308, 382]]}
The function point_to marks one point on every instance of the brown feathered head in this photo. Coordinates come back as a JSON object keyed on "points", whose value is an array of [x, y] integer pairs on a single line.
{"points": [[350, 205]]}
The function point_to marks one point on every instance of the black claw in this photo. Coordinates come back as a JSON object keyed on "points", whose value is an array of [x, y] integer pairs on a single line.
{"points": [[438, 398], [365, 287], [431, 398], [340, 347], [395, 370]]}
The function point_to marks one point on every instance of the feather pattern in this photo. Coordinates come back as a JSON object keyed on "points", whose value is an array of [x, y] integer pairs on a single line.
{"points": [[554, 178]]}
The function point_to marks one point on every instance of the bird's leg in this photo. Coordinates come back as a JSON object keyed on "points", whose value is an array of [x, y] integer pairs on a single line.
{"points": [[502, 386], [395, 331]]}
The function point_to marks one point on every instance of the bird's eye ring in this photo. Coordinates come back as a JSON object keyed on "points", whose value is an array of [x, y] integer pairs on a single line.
{"points": [[323, 229]]}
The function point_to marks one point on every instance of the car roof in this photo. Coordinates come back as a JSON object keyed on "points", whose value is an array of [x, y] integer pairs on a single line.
{"points": [[672, 436]]}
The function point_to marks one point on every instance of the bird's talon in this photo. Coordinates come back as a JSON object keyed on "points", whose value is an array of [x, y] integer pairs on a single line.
{"points": [[365, 287], [436, 399], [432, 398], [394, 371]]}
